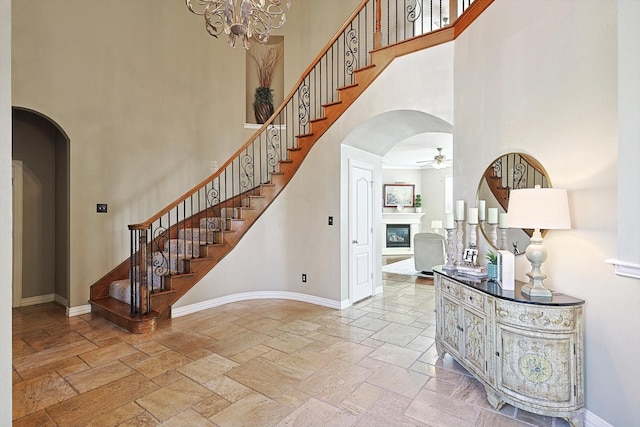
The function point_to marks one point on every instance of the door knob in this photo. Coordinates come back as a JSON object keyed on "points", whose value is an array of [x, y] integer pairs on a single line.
{"points": [[355, 242]]}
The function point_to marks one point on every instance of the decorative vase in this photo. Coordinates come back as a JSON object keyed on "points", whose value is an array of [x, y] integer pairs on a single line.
{"points": [[262, 111], [492, 271], [418, 210]]}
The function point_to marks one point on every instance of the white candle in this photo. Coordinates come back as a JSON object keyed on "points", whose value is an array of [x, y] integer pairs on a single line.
{"points": [[493, 215], [448, 221], [459, 210], [473, 216], [482, 209], [502, 220]]}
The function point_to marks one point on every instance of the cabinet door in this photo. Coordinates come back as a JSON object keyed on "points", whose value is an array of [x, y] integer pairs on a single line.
{"points": [[451, 324], [474, 333], [537, 368]]}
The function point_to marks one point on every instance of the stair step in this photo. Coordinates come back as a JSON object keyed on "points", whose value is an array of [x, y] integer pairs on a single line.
{"points": [[348, 86], [187, 248], [215, 223], [120, 313], [200, 235], [317, 120], [153, 278], [167, 263], [331, 104], [121, 290]]}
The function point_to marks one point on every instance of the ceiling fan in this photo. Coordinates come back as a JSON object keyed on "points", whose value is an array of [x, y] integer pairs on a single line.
{"points": [[439, 161]]}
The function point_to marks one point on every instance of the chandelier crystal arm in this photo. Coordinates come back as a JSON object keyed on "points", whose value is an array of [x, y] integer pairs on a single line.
{"points": [[244, 19]]}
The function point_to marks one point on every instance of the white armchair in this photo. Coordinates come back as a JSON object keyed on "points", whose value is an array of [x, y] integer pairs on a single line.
{"points": [[429, 250]]}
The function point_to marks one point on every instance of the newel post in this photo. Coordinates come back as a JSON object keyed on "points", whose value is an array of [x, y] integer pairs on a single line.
{"points": [[377, 39], [138, 269]]}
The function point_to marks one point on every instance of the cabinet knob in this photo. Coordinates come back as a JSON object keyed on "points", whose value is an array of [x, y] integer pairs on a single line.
{"points": [[470, 298], [497, 353]]}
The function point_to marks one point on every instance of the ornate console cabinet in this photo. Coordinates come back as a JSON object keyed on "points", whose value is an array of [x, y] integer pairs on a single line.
{"points": [[526, 353]]}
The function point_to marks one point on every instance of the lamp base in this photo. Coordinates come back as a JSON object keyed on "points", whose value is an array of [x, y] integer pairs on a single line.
{"points": [[535, 288], [536, 254]]}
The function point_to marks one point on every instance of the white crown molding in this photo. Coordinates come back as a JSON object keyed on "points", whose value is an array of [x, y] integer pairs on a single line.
{"points": [[244, 296], [627, 269]]}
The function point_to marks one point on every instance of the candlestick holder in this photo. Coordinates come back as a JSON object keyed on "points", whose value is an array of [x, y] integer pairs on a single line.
{"points": [[493, 234], [460, 240], [473, 235], [450, 250], [503, 239]]}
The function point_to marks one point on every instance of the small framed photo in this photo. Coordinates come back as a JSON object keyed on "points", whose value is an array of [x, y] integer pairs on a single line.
{"points": [[470, 255], [398, 195]]}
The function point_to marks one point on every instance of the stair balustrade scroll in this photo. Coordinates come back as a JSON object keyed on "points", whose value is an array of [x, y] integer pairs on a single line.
{"points": [[162, 245]]}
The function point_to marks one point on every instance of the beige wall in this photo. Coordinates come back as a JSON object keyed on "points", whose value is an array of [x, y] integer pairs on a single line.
{"points": [[550, 89], [148, 99]]}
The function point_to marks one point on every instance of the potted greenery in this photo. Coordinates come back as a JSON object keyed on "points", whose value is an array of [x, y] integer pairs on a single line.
{"points": [[266, 63], [418, 203], [492, 265]]}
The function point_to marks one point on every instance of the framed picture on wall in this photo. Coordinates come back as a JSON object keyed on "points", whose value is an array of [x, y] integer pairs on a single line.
{"points": [[398, 195]]}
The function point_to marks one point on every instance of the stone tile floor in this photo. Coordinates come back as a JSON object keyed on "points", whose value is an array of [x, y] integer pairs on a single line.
{"points": [[251, 363]]}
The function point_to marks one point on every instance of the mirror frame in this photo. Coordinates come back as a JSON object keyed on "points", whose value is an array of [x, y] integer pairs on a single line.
{"points": [[526, 172]]}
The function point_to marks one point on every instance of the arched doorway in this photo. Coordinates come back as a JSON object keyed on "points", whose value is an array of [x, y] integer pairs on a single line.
{"points": [[41, 264], [370, 142]]}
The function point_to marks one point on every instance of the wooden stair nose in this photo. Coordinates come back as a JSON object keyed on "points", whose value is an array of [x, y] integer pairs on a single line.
{"points": [[119, 313]]}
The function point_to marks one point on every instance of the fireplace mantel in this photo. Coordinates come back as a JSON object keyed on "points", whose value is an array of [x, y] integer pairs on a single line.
{"points": [[401, 218], [411, 218]]}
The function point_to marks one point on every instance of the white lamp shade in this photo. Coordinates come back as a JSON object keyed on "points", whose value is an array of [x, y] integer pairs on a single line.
{"points": [[539, 208]]}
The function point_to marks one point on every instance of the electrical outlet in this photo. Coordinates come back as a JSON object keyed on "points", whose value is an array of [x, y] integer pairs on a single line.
{"points": [[304, 278], [330, 220], [101, 208]]}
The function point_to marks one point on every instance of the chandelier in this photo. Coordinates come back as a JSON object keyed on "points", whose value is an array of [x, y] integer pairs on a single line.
{"points": [[241, 19]]}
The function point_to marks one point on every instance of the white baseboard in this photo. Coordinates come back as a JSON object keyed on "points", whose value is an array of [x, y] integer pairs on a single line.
{"points": [[77, 311], [244, 296], [378, 290], [40, 299], [60, 300], [43, 299], [592, 420]]}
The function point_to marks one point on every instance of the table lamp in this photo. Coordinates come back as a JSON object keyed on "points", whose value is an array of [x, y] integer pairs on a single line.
{"points": [[539, 209]]}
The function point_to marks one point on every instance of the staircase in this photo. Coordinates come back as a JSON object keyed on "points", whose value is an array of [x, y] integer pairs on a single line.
{"points": [[177, 247]]}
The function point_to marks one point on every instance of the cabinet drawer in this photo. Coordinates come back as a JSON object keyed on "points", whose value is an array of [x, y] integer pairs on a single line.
{"points": [[473, 299], [558, 319], [450, 288]]}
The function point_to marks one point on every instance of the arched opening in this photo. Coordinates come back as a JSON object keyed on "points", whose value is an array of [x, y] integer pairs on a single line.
{"points": [[399, 145], [40, 151]]}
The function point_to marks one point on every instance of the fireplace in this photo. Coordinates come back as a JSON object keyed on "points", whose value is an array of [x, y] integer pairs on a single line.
{"points": [[398, 235], [395, 241]]}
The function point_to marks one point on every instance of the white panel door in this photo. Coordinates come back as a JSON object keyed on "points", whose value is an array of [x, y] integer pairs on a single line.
{"points": [[361, 230]]}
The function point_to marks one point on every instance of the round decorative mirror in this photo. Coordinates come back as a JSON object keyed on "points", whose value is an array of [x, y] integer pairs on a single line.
{"points": [[508, 172]]}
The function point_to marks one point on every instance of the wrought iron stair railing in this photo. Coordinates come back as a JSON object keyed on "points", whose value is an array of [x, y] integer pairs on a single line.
{"points": [[161, 245]]}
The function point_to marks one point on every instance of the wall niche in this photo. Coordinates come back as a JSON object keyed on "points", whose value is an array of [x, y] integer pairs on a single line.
{"points": [[269, 58]]}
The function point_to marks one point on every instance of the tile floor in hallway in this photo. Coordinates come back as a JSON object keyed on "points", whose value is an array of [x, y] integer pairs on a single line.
{"points": [[251, 363]]}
